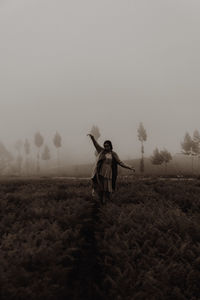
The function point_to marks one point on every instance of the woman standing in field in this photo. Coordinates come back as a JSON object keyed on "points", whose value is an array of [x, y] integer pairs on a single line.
{"points": [[105, 173]]}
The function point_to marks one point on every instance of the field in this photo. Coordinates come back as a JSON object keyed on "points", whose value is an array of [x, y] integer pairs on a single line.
{"points": [[57, 243]]}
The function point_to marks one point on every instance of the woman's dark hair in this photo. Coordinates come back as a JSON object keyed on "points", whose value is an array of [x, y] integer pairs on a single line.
{"points": [[109, 143]]}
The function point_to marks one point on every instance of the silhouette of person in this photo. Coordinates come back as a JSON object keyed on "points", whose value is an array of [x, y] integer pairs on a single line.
{"points": [[105, 173]]}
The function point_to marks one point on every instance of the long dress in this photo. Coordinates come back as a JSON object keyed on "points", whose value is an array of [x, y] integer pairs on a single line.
{"points": [[105, 174], [102, 180]]}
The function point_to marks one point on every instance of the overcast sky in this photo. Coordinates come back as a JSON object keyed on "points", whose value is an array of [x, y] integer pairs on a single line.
{"points": [[68, 64]]}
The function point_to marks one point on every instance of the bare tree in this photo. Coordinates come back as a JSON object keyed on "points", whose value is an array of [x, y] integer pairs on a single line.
{"points": [[57, 140], [39, 140], [142, 136]]}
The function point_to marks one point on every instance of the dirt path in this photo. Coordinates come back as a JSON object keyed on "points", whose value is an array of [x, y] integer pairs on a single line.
{"points": [[89, 273]]}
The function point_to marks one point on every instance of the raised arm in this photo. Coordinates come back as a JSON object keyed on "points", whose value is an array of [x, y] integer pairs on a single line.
{"points": [[97, 146], [122, 164]]}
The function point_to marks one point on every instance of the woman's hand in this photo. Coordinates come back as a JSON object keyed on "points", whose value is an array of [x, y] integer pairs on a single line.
{"points": [[132, 169], [90, 135]]}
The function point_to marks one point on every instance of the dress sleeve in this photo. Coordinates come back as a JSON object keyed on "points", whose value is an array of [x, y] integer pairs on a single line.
{"points": [[121, 163]]}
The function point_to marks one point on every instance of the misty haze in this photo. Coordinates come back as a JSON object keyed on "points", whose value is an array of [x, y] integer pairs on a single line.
{"points": [[66, 66], [99, 149]]}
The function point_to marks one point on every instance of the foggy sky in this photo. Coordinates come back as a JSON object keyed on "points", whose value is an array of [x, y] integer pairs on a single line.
{"points": [[68, 65]]}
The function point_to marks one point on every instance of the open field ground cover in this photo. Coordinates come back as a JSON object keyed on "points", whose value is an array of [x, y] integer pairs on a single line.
{"points": [[58, 243]]}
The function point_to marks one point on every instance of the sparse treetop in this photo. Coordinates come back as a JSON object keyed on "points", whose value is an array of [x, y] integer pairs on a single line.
{"points": [[57, 140], [38, 139], [166, 155], [187, 144], [142, 135], [157, 158]]}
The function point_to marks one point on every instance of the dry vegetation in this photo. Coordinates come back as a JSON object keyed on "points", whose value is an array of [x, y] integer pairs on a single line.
{"points": [[56, 243]]}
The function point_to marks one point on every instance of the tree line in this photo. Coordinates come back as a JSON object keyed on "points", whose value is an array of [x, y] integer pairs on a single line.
{"points": [[190, 146], [25, 147], [158, 157]]}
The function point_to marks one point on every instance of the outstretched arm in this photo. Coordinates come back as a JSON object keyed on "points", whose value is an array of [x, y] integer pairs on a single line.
{"points": [[122, 164], [97, 146]]}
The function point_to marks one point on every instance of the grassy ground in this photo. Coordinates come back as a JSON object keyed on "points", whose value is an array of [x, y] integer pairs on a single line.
{"points": [[57, 243]]}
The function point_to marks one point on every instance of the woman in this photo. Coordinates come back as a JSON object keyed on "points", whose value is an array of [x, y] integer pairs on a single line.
{"points": [[105, 173]]}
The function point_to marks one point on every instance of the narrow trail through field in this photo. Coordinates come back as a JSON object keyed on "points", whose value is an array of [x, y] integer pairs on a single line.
{"points": [[89, 271]]}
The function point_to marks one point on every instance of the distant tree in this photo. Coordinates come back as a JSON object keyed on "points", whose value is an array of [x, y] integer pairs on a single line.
{"points": [[4, 153], [166, 157], [142, 136], [5, 158], [46, 154], [27, 150], [18, 146], [188, 145], [57, 140], [196, 145], [96, 133], [27, 147], [196, 142], [39, 140], [157, 158], [19, 159]]}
